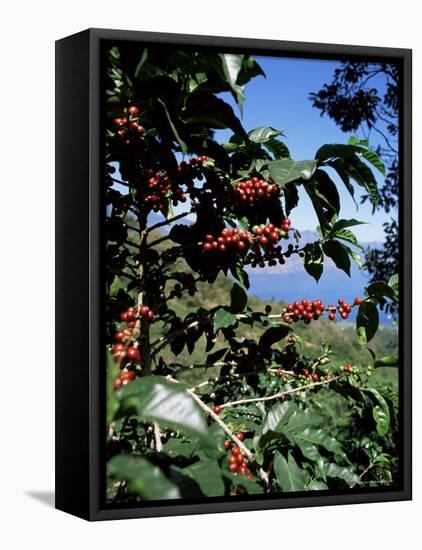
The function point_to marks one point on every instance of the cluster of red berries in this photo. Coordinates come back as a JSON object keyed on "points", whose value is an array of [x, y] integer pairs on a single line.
{"points": [[129, 124], [159, 186], [130, 315], [270, 234], [124, 378], [313, 309], [255, 190], [238, 464], [228, 239], [120, 352], [192, 170]]}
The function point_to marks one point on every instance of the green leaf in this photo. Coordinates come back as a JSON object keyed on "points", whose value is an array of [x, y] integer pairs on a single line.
{"points": [[339, 150], [394, 283], [112, 402], [286, 170], [141, 62], [381, 289], [207, 475], [298, 421], [239, 298], [374, 159], [115, 286], [209, 110], [367, 321], [341, 224], [142, 477], [338, 253], [179, 140], [274, 334], [277, 148], [349, 237], [387, 361], [153, 398], [320, 438], [334, 471], [249, 485], [336, 150], [180, 447], [232, 65], [315, 485], [353, 140], [279, 412], [291, 197], [364, 177], [325, 199], [223, 319], [239, 273], [216, 355], [289, 476], [263, 134], [314, 260], [354, 255], [380, 411]]}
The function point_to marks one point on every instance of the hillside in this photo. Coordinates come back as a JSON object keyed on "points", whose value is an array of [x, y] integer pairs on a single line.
{"points": [[341, 336]]}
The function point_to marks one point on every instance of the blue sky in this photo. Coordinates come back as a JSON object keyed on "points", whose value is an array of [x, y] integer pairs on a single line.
{"points": [[281, 100]]}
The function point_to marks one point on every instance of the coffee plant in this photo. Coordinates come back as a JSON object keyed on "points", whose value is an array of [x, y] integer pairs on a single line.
{"points": [[255, 414]]}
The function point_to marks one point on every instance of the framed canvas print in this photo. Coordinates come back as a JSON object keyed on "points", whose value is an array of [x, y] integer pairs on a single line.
{"points": [[233, 274]]}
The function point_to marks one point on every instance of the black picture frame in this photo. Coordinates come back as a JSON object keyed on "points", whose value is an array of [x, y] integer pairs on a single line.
{"points": [[79, 380]]}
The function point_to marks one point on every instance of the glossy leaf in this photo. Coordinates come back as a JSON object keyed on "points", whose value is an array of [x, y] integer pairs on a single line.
{"points": [[340, 472], [223, 319], [380, 411], [290, 476], [143, 478], [239, 298], [314, 260], [286, 170], [232, 65], [338, 253], [273, 335], [157, 399], [263, 134], [207, 475], [387, 361], [277, 148], [367, 321], [381, 289]]}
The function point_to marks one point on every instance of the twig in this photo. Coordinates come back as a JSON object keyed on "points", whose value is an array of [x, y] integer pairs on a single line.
{"points": [[160, 240], [157, 436], [278, 395], [168, 221], [261, 473]]}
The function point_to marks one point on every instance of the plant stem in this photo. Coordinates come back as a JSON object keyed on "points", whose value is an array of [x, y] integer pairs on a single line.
{"points": [[279, 395], [261, 473]]}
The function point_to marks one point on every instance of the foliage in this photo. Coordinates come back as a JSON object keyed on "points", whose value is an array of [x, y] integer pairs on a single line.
{"points": [[277, 414], [365, 95]]}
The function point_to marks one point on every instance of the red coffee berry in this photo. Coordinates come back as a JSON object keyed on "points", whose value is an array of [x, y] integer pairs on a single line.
{"points": [[118, 348], [240, 436], [117, 383], [133, 110], [133, 354], [235, 451], [127, 376], [227, 444], [358, 301], [216, 409]]}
